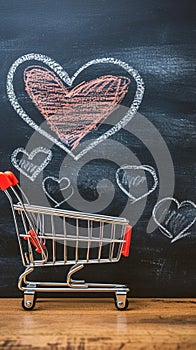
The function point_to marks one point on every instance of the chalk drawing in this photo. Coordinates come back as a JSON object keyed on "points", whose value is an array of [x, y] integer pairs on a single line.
{"points": [[73, 113], [174, 222], [133, 182], [31, 164], [54, 187], [69, 81]]}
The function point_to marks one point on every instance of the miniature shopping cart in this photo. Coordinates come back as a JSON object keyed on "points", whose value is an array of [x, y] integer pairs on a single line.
{"points": [[54, 237]]}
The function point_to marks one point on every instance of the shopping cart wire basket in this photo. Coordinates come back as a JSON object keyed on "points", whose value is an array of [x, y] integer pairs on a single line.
{"points": [[55, 237]]}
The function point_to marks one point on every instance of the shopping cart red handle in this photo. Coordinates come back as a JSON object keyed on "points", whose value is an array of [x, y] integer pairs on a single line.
{"points": [[35, 241], [11, 177], [7, 179], [127, 243]]}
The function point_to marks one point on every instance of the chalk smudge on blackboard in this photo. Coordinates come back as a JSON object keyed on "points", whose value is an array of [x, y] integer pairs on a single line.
{"points": [[136, 181], [31, 164], [177, 221], [59, 71]]}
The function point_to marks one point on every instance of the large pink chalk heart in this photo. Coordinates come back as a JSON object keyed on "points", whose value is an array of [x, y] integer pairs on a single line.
{"points": [[73, 111]]}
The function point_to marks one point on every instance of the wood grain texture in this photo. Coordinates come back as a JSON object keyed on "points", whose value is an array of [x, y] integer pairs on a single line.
{"points": [[87, 324]]}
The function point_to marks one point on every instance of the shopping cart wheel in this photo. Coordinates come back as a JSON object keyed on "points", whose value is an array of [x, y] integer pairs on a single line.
{"points": [[121, 301], [28, 302]]}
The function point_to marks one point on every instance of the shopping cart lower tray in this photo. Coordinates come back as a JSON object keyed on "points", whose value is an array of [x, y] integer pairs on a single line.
{"points": [[53, 237]]}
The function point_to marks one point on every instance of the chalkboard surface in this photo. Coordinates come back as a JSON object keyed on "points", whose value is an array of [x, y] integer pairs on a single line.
{"points": [[97, 115]]}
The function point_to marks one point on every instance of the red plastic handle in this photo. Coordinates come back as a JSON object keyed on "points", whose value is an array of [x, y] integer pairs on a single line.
{"points": [[4, 182], [12, 177], [35, 241], [7, 179], [127, 243]]}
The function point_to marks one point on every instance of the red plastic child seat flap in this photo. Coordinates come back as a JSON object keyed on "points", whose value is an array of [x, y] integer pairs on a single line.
{"points": [[35, 241], [126, 245], [4, 181]]}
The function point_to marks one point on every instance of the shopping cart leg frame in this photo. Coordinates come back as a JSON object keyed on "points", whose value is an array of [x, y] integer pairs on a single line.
{"points": [[30, 288]]}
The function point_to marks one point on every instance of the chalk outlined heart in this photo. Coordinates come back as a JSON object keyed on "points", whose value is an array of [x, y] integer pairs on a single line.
{"points": [[66, 187], [136, 168], [26, 166], [184, 232], [69, 81]]}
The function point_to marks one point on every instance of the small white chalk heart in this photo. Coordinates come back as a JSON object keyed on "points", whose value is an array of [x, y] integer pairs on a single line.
{"points": [[173, 218], [58, 190], [132, 181], [31, 164]]}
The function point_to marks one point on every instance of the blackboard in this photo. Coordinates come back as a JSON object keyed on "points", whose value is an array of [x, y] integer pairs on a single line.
{"points": [[134, 63]]}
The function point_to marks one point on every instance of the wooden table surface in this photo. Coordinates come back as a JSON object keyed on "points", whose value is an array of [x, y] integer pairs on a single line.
{"points": [[86, 324]]}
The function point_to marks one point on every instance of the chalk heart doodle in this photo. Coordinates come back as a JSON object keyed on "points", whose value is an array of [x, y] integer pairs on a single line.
{"points": [[58, 190], [134, 181], [73, 111], [175, 222], [31, 164]]}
